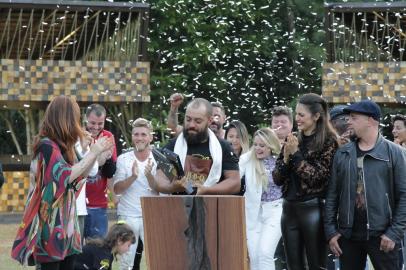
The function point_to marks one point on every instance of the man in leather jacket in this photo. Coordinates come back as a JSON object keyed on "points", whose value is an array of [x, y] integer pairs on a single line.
{"points": [[1, 176], [365, 211]]}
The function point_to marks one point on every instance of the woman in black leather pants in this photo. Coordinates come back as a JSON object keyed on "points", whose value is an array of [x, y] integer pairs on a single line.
{"points": [[303, 171]]}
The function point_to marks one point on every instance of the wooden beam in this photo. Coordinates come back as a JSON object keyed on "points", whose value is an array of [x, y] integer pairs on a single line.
{"points": [[74, 5]]}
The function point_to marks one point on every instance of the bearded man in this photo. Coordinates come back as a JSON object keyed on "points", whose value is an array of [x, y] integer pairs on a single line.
{"points": [[209, 163]]}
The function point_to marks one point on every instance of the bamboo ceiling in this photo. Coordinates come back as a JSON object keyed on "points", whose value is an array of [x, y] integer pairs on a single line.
{"points": [[48, 30]]}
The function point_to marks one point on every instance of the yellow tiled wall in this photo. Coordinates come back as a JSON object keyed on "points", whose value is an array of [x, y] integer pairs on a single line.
{"points": [[14, 192], [88, 81], [383, 82]]}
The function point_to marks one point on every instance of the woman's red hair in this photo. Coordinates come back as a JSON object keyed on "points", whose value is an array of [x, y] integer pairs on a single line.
{"points": [[61, 124]]}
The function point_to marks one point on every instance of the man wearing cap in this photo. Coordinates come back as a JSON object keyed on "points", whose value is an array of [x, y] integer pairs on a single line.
{"points": [[365, 210], [339, 121]]}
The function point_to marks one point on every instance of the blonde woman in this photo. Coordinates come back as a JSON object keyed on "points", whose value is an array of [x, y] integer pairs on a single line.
{"points": [[263, 205]]}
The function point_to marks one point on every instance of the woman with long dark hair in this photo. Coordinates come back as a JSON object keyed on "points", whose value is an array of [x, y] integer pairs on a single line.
{"points": [[49, 234], [303, 171]]}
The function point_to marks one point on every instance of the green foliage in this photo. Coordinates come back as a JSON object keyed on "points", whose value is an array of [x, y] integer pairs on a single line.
{"points": [[250, 55]]}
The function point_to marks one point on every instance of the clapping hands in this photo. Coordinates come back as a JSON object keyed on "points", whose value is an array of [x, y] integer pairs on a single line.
{"points": [[104, 144], [86, 140], [291, 146], [135, 170], [148, 168]]}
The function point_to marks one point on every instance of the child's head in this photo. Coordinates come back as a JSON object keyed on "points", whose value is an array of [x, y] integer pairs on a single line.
{"points": [[120, 237]]}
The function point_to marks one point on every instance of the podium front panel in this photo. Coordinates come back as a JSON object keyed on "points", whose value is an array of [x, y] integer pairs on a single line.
{"points": [[174, 238]]}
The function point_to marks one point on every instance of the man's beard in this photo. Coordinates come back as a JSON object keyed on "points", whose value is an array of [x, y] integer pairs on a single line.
{"points": [[199, 137], [215, 127], [139, 147]]}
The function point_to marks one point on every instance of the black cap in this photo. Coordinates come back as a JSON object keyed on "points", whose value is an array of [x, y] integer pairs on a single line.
{"points": [[366, 107], [337, 111]]}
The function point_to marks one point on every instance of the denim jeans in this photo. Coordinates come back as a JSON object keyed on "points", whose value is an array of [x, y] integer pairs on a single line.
{"points": [[96, 222]]}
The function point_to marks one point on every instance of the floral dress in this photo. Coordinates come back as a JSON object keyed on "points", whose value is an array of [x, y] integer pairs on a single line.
{"points": [[49, 231]]}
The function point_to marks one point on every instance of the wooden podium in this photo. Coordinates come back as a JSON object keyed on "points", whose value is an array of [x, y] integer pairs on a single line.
{"points": [[175, 238]]}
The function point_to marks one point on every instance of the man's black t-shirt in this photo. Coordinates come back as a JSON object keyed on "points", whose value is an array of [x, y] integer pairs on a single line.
{"points": [[199, 160], [359, 228], [94, 257]]}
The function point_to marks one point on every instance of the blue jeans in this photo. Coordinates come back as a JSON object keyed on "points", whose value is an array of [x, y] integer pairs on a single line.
{"points": [[96, 222]]}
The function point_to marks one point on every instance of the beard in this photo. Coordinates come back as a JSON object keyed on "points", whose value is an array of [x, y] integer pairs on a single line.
{"points": [[139, 147], [215, 126], [198, 137]]}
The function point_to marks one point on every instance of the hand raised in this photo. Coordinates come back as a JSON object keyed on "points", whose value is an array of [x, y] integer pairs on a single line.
{"points": [[176, 100]]}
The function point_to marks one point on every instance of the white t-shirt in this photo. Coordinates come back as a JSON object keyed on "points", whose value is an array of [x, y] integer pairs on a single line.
{"points": [[81, 199], [130, 203]]}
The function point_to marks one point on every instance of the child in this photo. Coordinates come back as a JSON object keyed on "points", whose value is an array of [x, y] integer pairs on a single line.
{"points": [[99, 253]]}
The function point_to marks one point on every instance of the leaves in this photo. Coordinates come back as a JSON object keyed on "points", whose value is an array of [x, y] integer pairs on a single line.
{"points": [[246, 54]]}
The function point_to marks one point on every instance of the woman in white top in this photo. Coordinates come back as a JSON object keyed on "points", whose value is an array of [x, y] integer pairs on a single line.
{"points": [[82, 148], [263, 205]]}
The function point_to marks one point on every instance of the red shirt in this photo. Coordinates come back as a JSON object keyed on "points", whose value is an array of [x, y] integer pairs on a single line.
{"points": [[96, 187]]}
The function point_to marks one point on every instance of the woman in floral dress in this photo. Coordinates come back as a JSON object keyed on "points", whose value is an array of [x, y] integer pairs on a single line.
{"points": [[49, 234]]}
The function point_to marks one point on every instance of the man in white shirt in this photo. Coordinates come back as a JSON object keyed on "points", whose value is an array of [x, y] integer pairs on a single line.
{"points": [[130, 181]]}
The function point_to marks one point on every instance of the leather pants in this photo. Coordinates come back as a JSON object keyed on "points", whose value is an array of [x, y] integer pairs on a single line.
{"points": [[303, 234]]}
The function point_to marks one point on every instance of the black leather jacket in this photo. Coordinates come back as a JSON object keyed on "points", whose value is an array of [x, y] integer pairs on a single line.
{"points": [[385, 189], [1, 176]]}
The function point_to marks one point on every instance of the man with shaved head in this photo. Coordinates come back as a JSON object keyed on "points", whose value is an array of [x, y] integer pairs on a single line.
{"points": [[216, 123], [209, 162]]}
